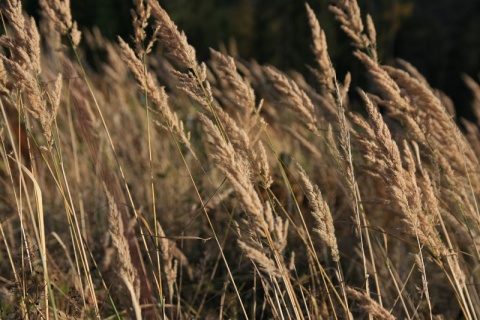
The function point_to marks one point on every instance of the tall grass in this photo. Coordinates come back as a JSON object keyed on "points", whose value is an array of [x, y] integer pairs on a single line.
{"points": [[156, 186]]}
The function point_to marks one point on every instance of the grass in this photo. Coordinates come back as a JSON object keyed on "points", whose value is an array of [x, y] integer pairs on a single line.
{"points": [[157, 186]]}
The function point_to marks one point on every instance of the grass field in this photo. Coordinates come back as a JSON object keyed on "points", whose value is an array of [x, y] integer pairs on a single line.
{"points": [[145, 184]]}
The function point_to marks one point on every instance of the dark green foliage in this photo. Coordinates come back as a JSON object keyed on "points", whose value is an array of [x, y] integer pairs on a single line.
{"points": [[277, 32]]}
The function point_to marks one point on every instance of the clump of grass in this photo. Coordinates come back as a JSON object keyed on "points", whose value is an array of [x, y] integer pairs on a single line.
{"points": [[162, 187]]}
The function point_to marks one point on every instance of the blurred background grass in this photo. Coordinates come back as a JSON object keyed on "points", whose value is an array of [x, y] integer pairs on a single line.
{"points": [[439, 37]]}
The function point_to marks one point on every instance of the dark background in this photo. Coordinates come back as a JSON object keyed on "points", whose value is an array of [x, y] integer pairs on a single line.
{"points": [[440, 37]]}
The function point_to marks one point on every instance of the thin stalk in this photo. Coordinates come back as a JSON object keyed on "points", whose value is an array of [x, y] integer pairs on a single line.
{"points": [[207, 216]]}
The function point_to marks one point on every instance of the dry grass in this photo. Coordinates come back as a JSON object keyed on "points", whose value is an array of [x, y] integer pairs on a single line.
{"points": [[163, 187]]}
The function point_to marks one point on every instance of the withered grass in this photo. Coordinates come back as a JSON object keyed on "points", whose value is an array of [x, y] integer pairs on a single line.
{"points": [[158, 186]]}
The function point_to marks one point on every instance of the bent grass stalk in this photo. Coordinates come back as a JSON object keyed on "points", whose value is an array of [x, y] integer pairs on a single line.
{"points": [[308, 242]]}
